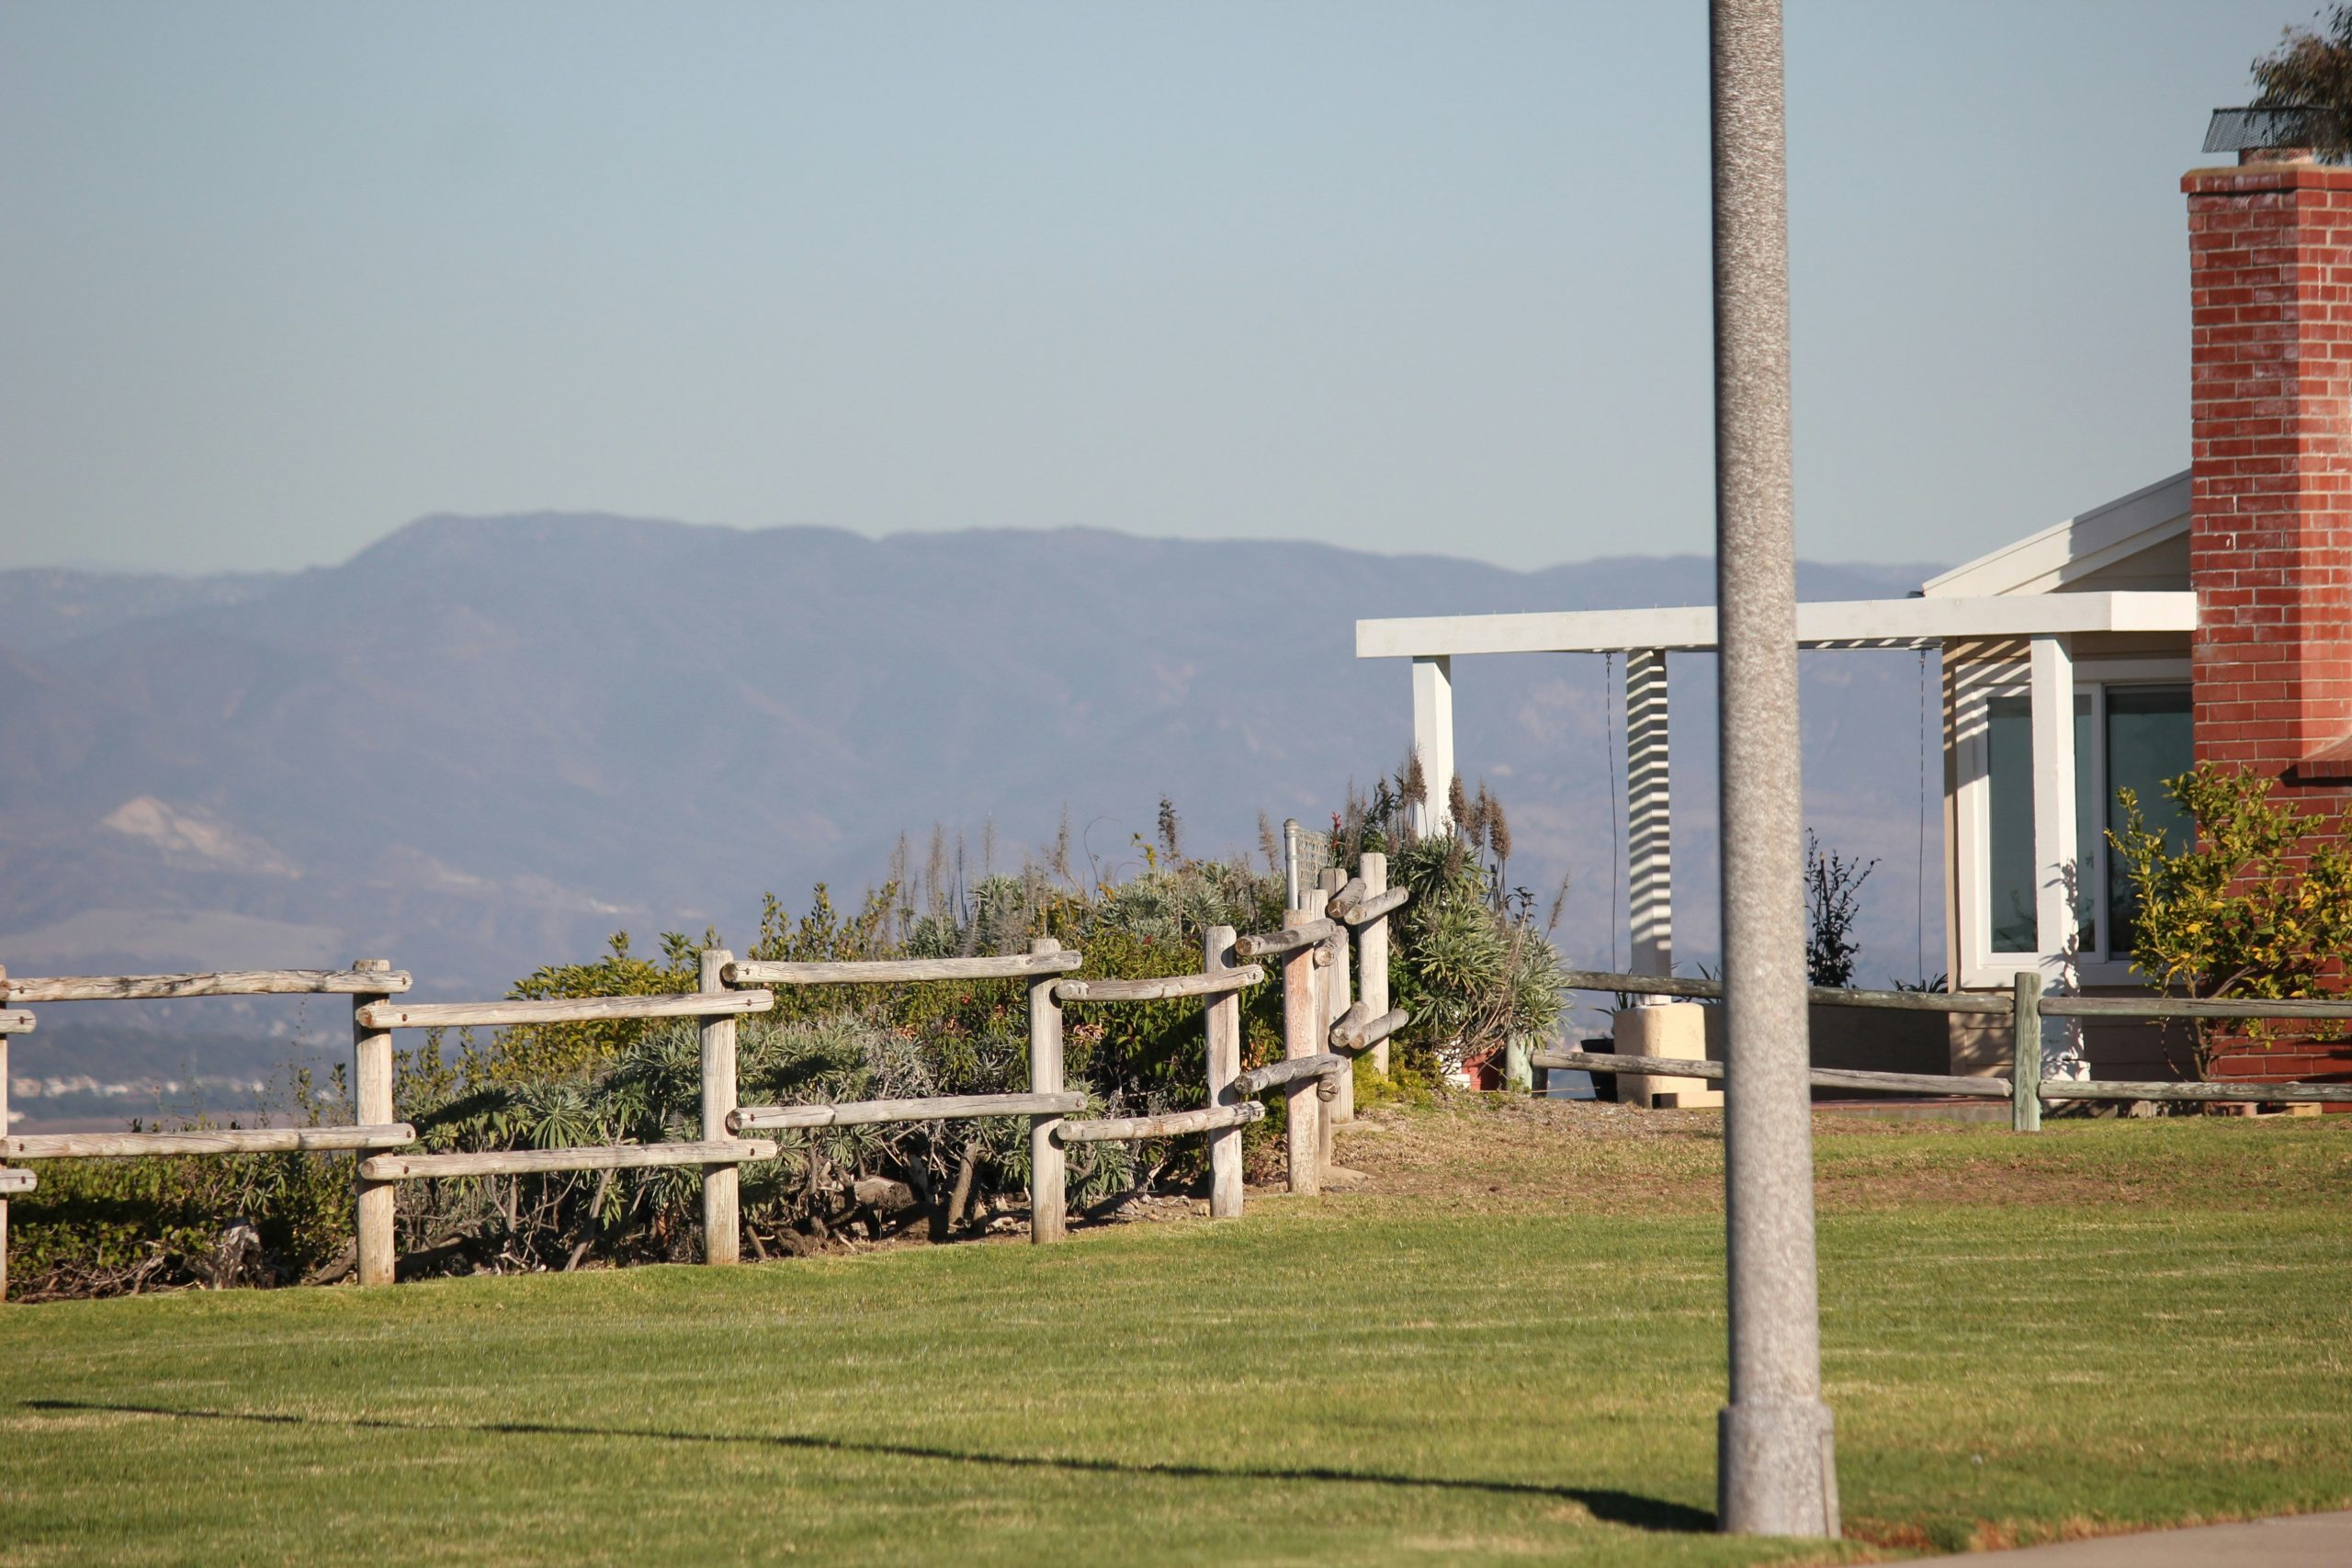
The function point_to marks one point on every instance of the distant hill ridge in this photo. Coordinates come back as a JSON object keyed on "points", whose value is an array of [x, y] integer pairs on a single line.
{"points": [[485, 744]]}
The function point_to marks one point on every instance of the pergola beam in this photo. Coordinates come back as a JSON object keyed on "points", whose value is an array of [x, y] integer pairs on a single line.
{"points": [[1829, 623]]}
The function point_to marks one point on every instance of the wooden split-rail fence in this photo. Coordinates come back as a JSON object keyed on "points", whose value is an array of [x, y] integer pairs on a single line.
{"points": [[1325, 1027], [2025, 1006]]}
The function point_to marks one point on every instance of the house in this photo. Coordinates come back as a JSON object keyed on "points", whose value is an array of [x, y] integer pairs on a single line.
{"points": [[2207, 617]]}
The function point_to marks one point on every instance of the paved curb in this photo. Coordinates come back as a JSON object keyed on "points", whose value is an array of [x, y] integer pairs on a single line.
{"points": [[2300, 1541]]}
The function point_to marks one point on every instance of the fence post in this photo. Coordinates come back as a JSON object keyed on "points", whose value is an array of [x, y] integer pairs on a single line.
{"points": [[2024, 1058], [1326, 1089], [371, 1082], [722, 1230], [1341, 996], [4, 1133], [1223, 1015], [1047, 1194], [1303, 1036], [1372, 951]]}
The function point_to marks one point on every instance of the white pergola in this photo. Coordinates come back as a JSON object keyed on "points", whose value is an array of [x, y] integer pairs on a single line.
{"points": [[2048, 623]]}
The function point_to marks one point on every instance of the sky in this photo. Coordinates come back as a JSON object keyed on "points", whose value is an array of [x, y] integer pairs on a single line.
{"points": [[277, 279]]}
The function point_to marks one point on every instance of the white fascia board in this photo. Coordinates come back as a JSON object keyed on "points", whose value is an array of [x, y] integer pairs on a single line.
{"points": [[2045, 561], [1542, 631], [1853, 623]]}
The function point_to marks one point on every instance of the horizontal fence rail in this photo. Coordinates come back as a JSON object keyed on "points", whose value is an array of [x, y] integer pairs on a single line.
{"points": [[1353, 906], [1823, 1077], [898, 971], [14, 1022], [2195, 1007], [869, 1113], [229, 1141], [1357, 1030], [1167, 988], [2243, 1093], [593, 1156], [1820, 995], [1296, 1069], [1982, 1088], [219, 983], [1174, 1124], [1289, 940], [18, 1181], [558, 1010]]}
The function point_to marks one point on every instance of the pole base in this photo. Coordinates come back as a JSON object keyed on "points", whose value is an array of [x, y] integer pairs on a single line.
{"points": [[1776, 1470]]}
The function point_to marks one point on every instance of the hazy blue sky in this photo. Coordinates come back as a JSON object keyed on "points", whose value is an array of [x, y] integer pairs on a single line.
{"points": [[275, 279]]}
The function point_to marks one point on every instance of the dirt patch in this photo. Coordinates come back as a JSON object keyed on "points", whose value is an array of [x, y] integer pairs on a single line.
{"points": [[1499, 1151], [1503, 1150]]}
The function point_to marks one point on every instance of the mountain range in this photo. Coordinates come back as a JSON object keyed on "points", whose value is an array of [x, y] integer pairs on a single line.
{"points": [[486, 743]]}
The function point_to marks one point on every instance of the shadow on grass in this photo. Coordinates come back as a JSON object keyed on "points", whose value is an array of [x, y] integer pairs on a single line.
{"points": [[1603, 1503]]}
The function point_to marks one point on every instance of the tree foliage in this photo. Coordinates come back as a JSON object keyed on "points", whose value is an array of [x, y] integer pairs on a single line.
{"points": [[2259, 906], [2313, 67]]}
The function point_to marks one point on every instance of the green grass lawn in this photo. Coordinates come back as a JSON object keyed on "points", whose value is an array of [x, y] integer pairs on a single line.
{"points": [[1505, 1346]]}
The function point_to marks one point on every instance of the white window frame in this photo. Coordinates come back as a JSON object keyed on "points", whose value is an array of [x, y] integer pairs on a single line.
{"points": [[1974, 685]]}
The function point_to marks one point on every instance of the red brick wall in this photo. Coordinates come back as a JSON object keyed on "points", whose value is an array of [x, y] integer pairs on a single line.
{"points": [[2270, 543], [2270, 538]]}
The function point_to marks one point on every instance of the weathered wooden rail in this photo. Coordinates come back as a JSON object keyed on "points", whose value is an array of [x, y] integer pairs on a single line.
{"points": [[591, 1157], [1823, 1077], [2025, 1006], [1322, 1029], [231, 1140], [868, 1112], [1174, 1124], [1042, 959]]}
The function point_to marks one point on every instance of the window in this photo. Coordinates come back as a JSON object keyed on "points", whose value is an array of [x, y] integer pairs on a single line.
{"points": [[2147, 740], [2129, 734], [2009, 743]]}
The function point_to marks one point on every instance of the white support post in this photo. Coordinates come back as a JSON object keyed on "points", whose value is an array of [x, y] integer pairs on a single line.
{"points": [[722, 1232], [1224, 1020], [2052, 675], [1048, 1192], [2051, 671], [1433, 739], [1649, 847]]}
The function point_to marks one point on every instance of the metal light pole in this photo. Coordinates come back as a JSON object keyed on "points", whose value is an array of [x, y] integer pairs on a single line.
{"points": [[1776, 1470]]}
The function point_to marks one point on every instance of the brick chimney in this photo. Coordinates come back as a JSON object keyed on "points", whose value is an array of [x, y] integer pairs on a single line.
{"points": [[2270, 540]]}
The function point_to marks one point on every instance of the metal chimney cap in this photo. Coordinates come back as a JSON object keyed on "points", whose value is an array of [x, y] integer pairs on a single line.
{"points": [[2254, 130]]}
